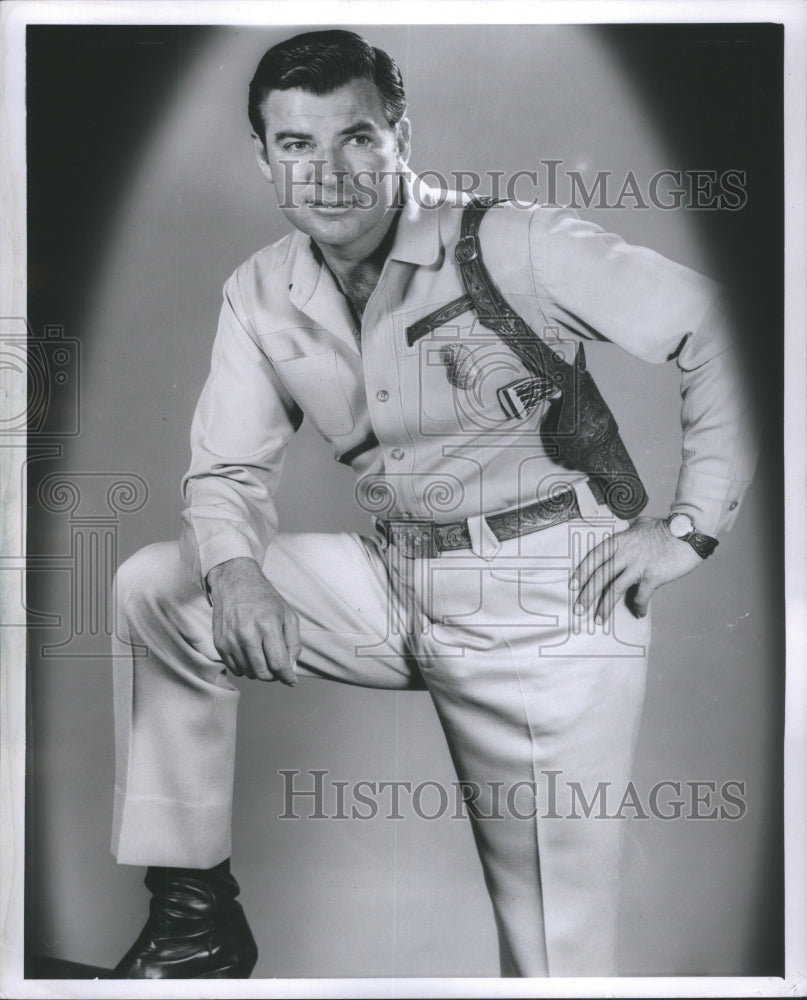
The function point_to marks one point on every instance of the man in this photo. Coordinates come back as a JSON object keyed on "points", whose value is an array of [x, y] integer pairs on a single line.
{"points": [[500, 576]]}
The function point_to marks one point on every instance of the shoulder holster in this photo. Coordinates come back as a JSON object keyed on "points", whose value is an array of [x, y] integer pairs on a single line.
{"points": [[578, 430]]}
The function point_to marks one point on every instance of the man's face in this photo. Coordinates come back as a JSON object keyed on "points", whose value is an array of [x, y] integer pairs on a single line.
{"points": [[334, 161]]}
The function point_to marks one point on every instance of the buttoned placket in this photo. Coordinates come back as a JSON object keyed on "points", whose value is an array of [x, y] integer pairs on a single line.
{"points": [[383, 386], [315, 292], [387, 416]]}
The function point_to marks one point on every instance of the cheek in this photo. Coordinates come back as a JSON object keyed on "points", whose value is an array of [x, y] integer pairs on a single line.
{"points": [[290, 181], [376, 173], [368, 162], [291, 168]]}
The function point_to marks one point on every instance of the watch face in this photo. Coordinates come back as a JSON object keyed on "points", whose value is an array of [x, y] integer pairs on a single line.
{"points": [[680, 525]]}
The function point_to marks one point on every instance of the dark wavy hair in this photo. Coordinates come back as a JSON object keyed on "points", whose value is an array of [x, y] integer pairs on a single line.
{"points": [[321, 62]]}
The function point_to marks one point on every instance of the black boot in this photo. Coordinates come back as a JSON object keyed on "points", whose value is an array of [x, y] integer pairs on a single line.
{"points": [[195, 929]]}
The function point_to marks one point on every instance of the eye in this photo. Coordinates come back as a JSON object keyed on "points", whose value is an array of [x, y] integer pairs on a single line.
{"points": [[297, 146], [362, 141]]}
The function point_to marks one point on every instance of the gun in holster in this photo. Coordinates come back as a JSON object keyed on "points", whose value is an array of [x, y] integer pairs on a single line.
{"points": [[578, 429]]}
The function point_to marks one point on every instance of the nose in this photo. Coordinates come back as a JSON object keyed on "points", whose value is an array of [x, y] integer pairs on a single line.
{"points": [[330, 173]]}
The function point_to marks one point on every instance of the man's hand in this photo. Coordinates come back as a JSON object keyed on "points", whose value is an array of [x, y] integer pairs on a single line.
{"points": [[645, 554], [255, 632]]}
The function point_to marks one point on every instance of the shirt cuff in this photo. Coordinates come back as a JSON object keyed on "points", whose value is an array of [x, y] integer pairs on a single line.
{"points": [[712, 502], [219, 546]]}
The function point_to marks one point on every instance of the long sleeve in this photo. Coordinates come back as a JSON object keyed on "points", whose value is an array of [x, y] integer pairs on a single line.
{"points": [[594, 284], [240, 429]]}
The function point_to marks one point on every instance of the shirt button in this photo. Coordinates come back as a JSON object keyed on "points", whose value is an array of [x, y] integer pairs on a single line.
{"points": [[733, 505], [382, 395], [397, 454]]}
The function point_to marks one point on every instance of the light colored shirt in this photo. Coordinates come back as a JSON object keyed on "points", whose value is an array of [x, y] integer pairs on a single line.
{"points": [[424, 426]]}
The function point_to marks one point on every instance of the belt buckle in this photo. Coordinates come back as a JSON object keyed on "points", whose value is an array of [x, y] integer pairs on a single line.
{"points": [[416, 539], [466, 249]]}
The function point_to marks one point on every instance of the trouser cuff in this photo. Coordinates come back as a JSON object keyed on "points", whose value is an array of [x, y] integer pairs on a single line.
{"points": [[168, 834]]}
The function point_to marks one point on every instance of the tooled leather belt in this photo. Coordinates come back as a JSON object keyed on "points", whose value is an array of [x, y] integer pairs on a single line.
{"points": [[420, 537]]}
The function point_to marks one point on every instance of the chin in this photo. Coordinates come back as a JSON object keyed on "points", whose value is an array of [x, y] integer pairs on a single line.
{"points": [[335, 233]]}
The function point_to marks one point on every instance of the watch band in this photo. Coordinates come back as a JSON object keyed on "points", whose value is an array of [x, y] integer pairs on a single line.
{"points": [[703, 544]]}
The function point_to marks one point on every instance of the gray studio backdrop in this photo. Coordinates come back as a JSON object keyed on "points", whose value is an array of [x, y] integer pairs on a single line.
{"points": [[384, 897]]}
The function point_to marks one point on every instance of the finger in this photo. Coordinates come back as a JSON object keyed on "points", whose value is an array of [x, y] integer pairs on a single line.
{"points": [[231, 664], [593, 587], [277, 658], [592, 561], [642, 598], [254, 658], [592, 593], [245, 652], [291, 635], [240, 656], [224, 653], [613, 595]]}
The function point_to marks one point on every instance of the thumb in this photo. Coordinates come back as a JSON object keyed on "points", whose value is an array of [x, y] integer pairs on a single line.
{"points": [[291, 634]]}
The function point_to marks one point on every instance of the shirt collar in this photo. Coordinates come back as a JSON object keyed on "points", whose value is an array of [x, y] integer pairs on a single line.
{"points": [[417, 239]]}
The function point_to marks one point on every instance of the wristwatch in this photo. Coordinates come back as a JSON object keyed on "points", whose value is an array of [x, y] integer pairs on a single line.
{"points": [[681, 526]]}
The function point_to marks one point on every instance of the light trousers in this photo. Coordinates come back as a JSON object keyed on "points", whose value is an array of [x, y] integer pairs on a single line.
{"points": [[539, 707]]}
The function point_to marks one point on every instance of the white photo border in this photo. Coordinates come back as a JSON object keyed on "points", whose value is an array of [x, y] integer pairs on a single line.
{"points": [[793, 15]]}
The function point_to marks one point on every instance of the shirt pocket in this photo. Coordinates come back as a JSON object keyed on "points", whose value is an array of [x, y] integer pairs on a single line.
{"points": [[460, 377], [318, 385]]}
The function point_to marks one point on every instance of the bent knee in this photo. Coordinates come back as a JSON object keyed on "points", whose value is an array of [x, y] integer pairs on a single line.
{"points": [[153, 573]]}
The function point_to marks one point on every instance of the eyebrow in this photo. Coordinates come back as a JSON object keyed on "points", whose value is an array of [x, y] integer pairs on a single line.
{"points": [[359, 126], [280, 136]]}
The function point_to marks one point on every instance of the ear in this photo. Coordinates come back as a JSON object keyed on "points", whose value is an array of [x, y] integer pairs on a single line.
{"points": [[403, 134], [260, 156]]}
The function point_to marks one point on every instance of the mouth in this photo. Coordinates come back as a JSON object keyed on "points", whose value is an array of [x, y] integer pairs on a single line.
{"points": [[331, 206]]}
